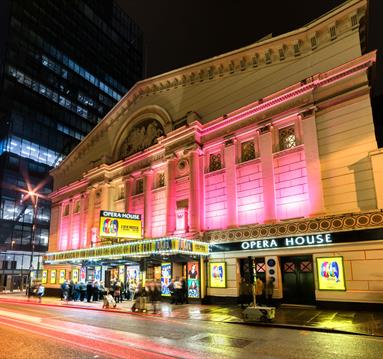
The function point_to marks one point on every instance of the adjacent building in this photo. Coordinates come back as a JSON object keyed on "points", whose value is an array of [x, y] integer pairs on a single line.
{"points": [[63, 66], [259, 162]]}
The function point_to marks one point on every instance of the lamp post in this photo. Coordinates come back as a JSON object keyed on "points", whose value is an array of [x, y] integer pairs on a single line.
{"points": [[35, 199]]}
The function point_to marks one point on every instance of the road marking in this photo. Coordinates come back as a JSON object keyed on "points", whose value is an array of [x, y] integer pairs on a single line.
{"points": [[14, 315]]}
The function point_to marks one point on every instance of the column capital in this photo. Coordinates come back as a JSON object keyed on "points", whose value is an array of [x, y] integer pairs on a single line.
{"points": [[307, 113]]}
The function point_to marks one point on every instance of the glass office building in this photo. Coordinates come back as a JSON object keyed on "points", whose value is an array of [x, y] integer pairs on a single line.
{"points": [[63, 66]]}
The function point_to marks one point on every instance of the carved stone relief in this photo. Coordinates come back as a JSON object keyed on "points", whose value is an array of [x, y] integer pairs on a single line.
{"points": [[141, 136]]}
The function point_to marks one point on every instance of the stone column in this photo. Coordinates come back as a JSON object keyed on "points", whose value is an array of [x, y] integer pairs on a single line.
{"points": [[376, 158], [231, 183], [170, 196], [148, 185], [83, 230], [314, 176], [128, 193], [90, 215], [267, 165], [105, 197], [195, 191]]}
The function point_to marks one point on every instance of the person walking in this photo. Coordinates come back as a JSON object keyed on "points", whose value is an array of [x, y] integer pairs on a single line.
{"points": [[132, 289], [244, 293], [172, 292], [89, 291], [83, 289], [259, 291], [117, 292], [269, 291], [40, 292], [184, 291]]}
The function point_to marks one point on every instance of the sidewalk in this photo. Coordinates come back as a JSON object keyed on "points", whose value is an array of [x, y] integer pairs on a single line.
{"points": [[303, 318]]}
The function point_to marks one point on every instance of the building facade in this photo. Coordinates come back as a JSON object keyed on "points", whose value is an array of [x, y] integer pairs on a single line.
{"points": [[267, 155], [60, 74]]}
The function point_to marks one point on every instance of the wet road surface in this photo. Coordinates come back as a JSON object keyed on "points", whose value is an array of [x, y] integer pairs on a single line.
{"points": [[86, 334]]}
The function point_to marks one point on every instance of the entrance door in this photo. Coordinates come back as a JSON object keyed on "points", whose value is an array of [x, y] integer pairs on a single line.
{"points": [[298, 280]]}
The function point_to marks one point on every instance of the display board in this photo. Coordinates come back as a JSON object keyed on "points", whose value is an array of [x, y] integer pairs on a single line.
{"points": [[75, 274], [62, 274], [166, 278], [132, 274], [194, 283], [52, 279], [330, 273], [44, 277], [120, 225], [217, 274]]}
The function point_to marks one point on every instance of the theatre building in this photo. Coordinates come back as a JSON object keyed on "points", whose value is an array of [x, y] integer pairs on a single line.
{"points": [[258, 162]]}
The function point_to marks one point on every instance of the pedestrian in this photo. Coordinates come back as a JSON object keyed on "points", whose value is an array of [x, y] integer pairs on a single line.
{"points": [[108, 301], [184, 291], [83, 289], [89, 291], [76, 295], [40, 292], [96, 291], [132, 289], [117, 292], [172, 292], [259, 291], [101, 291], [154, 295], [71, 290], [65, 290], [244, 293], [178, 290], [269, 291]]}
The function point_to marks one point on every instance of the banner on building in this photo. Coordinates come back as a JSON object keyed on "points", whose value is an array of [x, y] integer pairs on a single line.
{"points": [[193, 280], [120, 225], [166, 278], [330, 273], [97, 273], [217, 274]]}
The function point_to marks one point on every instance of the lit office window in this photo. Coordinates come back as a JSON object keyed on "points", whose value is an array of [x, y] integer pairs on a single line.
{"points": [[28, 149]]}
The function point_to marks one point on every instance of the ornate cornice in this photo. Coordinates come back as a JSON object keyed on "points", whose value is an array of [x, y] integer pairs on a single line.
{"points": [[249, 57], [334, 223]]}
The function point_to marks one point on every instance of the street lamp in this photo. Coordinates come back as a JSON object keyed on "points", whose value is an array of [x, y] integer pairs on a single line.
{"points": [[35, 199]]}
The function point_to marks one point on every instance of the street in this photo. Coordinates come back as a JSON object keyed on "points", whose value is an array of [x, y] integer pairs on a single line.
{"points": [[79, 333]]}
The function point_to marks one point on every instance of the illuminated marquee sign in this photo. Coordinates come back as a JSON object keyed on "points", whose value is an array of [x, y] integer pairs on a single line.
{"points": [[330, 273], [141, 248], [287, 242], [303, 240], [120, 225]]}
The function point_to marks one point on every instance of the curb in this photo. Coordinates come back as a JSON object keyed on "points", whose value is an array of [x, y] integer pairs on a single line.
{"points": [[77, 307], [305, 327]]}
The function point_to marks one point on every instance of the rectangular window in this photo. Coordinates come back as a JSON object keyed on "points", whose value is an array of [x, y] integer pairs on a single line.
{"points": [[247, 151], [215, 162], [140, 186], [66, 210], [287, 138]]}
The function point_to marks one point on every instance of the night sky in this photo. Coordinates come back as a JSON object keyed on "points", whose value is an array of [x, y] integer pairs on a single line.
{"points": [[179, 33]]}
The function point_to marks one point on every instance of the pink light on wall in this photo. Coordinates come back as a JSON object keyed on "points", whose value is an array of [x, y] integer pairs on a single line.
{"points": [[249, 194], [215, 201], [75, 236], [159, 213], [64, 233], [291, 191]]}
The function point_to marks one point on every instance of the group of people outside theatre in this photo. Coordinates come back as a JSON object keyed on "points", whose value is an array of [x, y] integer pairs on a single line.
{"points": [[262, 292], [178, 291]]}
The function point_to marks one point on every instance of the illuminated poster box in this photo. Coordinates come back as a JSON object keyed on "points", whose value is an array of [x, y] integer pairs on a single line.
{"points": [[330, 273], [166, 278], [53, 277], [62, 276], [193, 280], [44, 278], [75, 275], [120, 225], [217, 274]]}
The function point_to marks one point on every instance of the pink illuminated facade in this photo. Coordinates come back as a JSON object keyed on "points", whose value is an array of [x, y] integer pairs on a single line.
{"points": [[244, 148]]}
